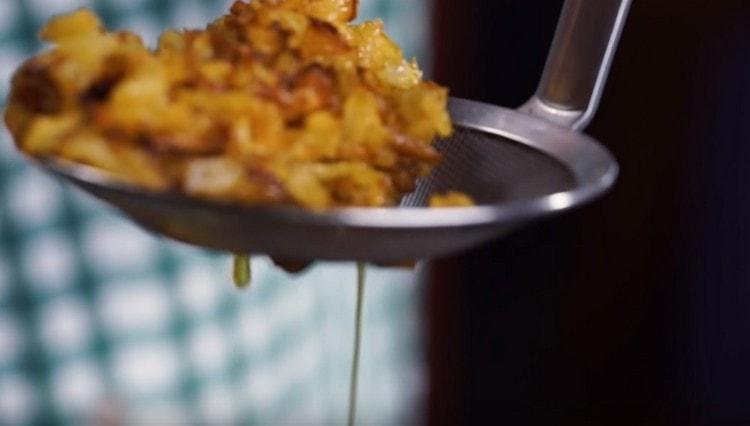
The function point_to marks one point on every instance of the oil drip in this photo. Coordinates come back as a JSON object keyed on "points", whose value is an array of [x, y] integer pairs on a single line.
{"points": [[242, 273], [361, 270]]}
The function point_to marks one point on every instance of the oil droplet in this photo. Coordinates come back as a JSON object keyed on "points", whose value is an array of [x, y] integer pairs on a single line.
{"points": [[242, 273]]}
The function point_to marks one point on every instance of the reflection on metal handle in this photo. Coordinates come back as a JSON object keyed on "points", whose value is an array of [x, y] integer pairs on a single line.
{"points": [[579, 62]]}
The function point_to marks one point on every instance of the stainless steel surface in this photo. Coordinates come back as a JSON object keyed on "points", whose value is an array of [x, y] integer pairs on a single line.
{"points": [[579, 62], [518, 167]]}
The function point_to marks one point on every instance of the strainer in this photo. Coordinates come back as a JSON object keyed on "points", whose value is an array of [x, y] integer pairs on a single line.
{"points": [[518, 165]]}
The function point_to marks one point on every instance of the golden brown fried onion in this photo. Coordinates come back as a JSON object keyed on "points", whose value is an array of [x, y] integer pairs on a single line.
{"points": [[278, 102]]}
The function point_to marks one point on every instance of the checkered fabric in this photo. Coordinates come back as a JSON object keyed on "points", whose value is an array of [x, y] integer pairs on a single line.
{"points": [[100, 319]]}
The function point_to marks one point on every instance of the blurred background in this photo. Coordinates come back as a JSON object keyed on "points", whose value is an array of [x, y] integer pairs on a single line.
{"points": [[633, 310], [98, 318]]}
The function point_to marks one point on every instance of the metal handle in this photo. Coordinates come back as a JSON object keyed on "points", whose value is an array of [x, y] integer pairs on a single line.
{"points": [[579, 62]]}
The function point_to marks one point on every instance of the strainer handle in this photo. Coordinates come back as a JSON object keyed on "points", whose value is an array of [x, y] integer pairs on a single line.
{"points": [[579, 61]]}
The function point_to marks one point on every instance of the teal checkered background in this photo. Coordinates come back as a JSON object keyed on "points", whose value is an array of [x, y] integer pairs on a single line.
{"points": [[99, 319]]}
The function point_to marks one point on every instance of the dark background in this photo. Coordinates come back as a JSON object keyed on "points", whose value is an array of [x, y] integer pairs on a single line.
{"points": [[635, 309]]}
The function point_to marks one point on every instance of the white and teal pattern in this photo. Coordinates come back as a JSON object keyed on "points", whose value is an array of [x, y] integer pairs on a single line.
{"points": [[97, 316]]}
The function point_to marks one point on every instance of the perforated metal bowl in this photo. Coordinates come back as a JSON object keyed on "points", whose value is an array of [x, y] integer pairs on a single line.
{"points": [[518, 166]]}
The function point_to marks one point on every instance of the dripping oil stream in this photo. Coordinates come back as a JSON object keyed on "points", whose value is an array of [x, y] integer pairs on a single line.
{"points": [[361, 270], [242, 273], [242, 276]]}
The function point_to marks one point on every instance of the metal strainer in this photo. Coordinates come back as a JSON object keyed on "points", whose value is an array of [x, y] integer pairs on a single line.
{"points": [[518, 166]]}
